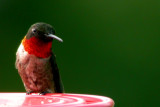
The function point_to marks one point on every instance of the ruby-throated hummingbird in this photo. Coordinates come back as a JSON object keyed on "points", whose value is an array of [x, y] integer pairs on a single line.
{"points": [[36, 62]]}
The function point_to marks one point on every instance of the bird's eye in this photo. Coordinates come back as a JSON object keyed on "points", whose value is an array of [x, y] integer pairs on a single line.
{"points": [[34, 30]]}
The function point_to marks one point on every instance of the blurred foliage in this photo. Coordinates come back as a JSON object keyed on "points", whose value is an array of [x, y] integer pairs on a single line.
{"points": [[110, 48]]}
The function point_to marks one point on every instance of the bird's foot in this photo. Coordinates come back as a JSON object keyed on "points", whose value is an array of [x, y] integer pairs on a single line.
{"points": [[43, 93], [29, 92]]}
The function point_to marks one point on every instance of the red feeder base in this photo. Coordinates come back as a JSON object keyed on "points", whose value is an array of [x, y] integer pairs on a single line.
{"points": [[54, 100]]}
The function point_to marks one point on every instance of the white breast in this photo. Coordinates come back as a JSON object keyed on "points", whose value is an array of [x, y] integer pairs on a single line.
{"points": [[21, 53]]}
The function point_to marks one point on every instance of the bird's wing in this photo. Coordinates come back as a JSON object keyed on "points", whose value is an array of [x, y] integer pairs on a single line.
{"points": [[56, 75]]}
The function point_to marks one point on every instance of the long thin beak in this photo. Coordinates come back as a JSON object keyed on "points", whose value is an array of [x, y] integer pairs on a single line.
{"points": [[55, 37]]}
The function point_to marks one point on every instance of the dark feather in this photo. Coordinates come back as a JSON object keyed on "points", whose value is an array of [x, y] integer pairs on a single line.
{"points": [[56, 76]]}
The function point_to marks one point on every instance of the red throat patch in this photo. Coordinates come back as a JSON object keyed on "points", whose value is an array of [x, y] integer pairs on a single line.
{"points": [[36, 47]]}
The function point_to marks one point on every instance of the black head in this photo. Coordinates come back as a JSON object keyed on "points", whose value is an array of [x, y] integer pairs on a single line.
{"points": [[43, 31]]}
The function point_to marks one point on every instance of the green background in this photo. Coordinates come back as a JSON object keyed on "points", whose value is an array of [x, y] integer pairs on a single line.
{"points": [[110, 48]]}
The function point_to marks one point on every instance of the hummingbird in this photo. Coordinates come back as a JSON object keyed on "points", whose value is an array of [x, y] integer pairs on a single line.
{"points": [[36, 63]]}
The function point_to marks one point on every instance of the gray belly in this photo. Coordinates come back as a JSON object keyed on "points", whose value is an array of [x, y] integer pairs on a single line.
{"points": [[36, 73]]}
